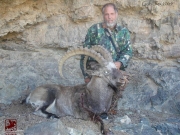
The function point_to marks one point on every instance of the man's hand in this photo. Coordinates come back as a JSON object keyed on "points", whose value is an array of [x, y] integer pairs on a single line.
{"points": [[87, 80], [118, 64]]}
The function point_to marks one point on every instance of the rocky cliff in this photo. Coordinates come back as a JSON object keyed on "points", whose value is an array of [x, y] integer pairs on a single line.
{"points": [[34, 35]]}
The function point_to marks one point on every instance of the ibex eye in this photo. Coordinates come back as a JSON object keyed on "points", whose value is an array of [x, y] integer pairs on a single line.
{"points": [[106, 72]]}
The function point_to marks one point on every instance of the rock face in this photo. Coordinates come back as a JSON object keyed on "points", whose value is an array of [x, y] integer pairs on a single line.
{"points": [[34, 35]]}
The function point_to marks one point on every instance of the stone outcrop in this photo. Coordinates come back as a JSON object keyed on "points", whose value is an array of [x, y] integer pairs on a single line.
{"points": [[34, 35]]}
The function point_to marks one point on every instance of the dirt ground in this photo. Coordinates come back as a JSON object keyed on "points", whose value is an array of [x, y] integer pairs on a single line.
{"points": [[23, 114]]}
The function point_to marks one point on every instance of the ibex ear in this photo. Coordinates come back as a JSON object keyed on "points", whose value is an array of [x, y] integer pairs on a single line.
{"points": [[93, 65], [93, 72], [89, 72]]}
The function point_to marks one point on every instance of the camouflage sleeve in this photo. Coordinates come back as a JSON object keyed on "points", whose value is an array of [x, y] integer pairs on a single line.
{"points": [[126, 50], [87, 43]]}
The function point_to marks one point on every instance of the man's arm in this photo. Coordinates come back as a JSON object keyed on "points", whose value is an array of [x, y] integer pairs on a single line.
{"points": [[126, 51]]}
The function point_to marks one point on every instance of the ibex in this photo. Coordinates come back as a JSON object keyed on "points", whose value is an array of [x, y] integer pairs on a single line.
{"points": [[95, 97]]}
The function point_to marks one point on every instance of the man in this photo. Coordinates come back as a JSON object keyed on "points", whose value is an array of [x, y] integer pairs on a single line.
{"points": [[111, 36]]}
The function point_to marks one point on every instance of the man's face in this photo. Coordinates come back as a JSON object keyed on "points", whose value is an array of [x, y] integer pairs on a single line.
{"points": [[110, 16]]}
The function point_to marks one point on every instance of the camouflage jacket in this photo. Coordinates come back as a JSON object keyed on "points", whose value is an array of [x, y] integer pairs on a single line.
{"points": [[96, 35]]}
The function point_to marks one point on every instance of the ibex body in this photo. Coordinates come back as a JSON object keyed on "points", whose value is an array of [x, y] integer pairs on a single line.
{"points": [[96, 96]]}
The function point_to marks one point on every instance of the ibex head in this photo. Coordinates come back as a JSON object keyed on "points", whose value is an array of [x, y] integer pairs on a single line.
{"points": [[104, 67]]}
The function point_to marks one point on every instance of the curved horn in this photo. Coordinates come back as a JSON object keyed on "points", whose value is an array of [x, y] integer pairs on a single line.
{"points": [[82, 51], [99, 49]]}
